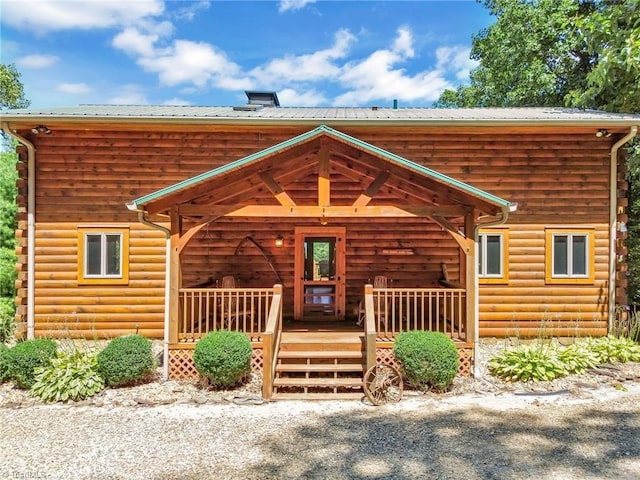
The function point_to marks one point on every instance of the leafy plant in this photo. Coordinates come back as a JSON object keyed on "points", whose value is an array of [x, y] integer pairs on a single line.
{"points": [[534, 362], [224, 357], [577, 358], [545, 362], [614, 349], [71, 376], [26, 356], [126, 360], [429, 359], [7, 319], [5, 363]]}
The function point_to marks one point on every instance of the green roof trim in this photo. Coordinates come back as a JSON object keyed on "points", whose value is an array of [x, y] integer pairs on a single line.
{"points": [[318, 131]]}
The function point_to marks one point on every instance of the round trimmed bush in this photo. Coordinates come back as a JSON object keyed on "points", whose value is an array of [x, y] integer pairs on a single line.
{"points": [[5, 362], [26, 356], [223, 357], [429, 359], [126, 360]]}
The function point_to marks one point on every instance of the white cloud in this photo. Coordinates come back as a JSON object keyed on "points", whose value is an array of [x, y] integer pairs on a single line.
{"points": [[177, 101], [303, 68], [44, 16], [378, 77], [134, 42], [189, 62], [292, 98], [456, 59], [37, 61], [403, 44], [286, 5], [74, 88], [129, 95], [192, 8]]}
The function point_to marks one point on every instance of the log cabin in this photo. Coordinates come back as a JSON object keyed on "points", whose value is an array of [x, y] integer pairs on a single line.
{"points": [[173, 221]]}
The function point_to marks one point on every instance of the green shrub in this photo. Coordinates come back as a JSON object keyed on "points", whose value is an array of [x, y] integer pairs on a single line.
{"points": [[5, 363], [26, 356], [223, 357], [614, 349], [70, 376], [577, 358], [529, 362], [126, 360], [429, 359], [7, 319]]}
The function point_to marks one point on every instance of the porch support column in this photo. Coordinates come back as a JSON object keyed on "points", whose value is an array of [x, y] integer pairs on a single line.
{"points": [[470, 277], [175, 274]]}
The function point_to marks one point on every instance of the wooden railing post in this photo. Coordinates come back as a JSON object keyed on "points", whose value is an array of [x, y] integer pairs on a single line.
{"points": [[369, 327], [174, 276], [270, 342]]}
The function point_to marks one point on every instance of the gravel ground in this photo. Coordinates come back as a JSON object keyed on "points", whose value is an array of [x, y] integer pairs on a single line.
{"points": [[581, 427]]}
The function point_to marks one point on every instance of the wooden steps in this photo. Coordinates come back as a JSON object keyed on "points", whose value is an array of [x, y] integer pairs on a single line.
{"points": [[319, 366]]}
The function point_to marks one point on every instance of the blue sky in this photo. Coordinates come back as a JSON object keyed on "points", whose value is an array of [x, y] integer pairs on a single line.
{"points": [[192, 52]]}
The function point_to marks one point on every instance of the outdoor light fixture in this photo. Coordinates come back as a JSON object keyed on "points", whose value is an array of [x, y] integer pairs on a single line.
{"points": [[279, 241], [603, 132], [41, 129]]}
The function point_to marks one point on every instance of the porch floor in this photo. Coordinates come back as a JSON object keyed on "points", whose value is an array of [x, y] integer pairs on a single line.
{"points": [[321, 326]]}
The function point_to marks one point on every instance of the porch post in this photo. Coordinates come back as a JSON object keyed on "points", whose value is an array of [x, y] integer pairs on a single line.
{"points": [[174, 304], [470, 277]]}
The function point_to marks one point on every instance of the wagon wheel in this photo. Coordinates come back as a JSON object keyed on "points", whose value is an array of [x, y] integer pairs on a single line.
{"points": [[383, 384]]}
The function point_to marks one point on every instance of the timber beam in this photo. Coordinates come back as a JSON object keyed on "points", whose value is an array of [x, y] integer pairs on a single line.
{"points": [[322, 211]]}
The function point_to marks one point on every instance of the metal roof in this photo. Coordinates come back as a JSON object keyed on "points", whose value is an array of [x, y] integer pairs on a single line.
{"points": [[325, 130], [179, 114]]}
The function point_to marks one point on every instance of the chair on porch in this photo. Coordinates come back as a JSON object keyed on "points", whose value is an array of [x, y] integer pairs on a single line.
{"points": [[232, 308], [381, 309]]}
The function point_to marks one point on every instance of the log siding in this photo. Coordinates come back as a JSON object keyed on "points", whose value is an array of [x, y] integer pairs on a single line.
{"points": [[86, 177]]}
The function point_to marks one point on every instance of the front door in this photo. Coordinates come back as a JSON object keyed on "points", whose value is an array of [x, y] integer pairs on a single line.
{"points": [[319, 272]]}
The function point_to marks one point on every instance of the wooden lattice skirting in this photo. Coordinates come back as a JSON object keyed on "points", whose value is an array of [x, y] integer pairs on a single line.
{"points": [[181, 361], [181, 365]]}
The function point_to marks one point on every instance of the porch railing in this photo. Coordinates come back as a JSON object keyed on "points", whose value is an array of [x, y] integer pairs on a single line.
{"points": [[203, 310], [397, 310], [271, 343]]}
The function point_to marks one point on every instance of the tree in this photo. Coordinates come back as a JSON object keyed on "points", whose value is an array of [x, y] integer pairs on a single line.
{"points": [[575, 53], [572, 53], [11, 88], [611, 35], [11, 96]]}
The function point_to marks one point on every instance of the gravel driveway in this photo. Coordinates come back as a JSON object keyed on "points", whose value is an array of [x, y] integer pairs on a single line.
{"points": [[504, 436]]}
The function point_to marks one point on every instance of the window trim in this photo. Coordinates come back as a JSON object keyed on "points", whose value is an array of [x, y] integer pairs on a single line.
{"points": [[589, 278], [123, 278], [503, 233]]}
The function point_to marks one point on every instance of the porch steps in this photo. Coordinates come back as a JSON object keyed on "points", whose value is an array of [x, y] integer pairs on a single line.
{"points": [[319, 366]]}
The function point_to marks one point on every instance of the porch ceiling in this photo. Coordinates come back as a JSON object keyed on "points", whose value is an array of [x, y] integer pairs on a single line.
{"points": [[321, 173]]}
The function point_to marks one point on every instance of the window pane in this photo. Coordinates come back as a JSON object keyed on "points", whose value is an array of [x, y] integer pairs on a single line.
{"points": [[494, 262], [93, 254], [560, 264], [113, 254], [579, 243]]}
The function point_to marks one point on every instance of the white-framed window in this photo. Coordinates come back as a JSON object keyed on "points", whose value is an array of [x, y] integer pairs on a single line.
{"points": [[493, 255], [103, 255], [569, 255]]}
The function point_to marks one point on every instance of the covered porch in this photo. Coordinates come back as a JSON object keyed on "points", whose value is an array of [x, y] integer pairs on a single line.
{"points": [[370, 212]]}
